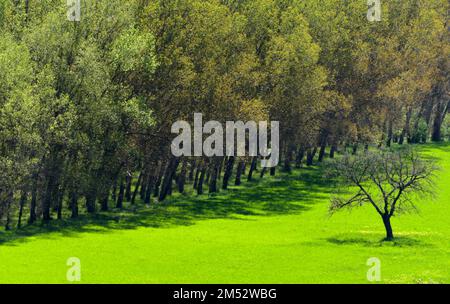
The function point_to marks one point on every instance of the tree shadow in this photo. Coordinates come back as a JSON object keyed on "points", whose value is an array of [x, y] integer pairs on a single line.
{"points": [[280, 195], [374, 241]]}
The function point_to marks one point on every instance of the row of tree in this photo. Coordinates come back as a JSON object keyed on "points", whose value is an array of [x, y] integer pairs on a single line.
{"points": [[86, 107]]}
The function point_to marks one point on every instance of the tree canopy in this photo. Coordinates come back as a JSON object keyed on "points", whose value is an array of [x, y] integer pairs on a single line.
{"points": [[86, 107]]}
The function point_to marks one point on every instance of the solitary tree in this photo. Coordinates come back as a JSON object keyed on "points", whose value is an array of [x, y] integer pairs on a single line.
{"points": [[390, 181]]}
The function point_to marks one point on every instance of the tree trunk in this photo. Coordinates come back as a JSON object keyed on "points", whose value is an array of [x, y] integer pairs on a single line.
{"points": [[60, 200], [213, 178], [136, 188], [129, 180], [239, 171], [23, 201], [9, 201], [182, 177], [114, 190], [333, 151], [322, 152], [253, 168], [390, 134], [388, 227], [74, 204], [47, 200], [263, 172], [197, 175], [90, 202], [192, 170], [208, 174], [119, 204], [32, 218], [441, 112], [221, 165], [228, 172], [273, 171], [310, 156], [104, 201], [149, 187], [200, 180], [300, 156], [143, 189], [406, 129], [162, 167], [287, 159], [166, 186]]}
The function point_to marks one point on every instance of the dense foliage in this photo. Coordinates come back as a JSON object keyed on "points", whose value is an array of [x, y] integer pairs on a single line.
{"points": [[86, 107]]}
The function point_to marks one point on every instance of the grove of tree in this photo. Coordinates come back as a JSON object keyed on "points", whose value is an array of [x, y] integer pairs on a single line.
{"points": [[86, 107]]}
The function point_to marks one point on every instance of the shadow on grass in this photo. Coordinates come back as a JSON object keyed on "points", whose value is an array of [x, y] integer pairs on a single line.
{"points": [[281, 195], [399, 242]]}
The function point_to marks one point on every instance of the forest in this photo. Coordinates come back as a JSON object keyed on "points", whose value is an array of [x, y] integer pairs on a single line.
{"points": [[86, 107]]}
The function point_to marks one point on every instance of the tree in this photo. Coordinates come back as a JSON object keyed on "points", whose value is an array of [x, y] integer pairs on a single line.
{"points": [[390, 181]]}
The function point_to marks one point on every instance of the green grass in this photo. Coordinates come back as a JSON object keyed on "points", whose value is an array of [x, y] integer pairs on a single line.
{"points": [[272, 231]]}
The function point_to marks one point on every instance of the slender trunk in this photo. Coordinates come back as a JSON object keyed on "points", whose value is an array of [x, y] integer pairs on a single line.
{"points": [[114, 190], [197, 176], [239, 172], [182, 177], [288, 158], [90, 202], [252, 168], [119, 204], [159, 177], [23, 201], [388, 227], [333, 151], [228, 172], [46, 204], [149, 186], [213, 177], [143, 184], [201, 180], [208, 175], [136, 188], [192, 170], [60, 201], [300, 156], [310, 156], [33, 216], [406, 129], [166, 187], [104, 201], [9, 202], [323, 144], [221, 165], [74, 204], [273, 171], [436, 135], [322, 152], [129, 180], [390, 134], [263, 172]]}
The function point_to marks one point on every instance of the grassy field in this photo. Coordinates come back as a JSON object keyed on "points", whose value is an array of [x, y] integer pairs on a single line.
{"points": [[272, 231]]}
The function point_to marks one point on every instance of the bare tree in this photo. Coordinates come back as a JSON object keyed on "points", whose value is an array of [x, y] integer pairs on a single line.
{"points": [[390, 181]]}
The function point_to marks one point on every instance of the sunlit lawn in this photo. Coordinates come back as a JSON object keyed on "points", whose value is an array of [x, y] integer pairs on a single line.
{"points": [[272, 231]]}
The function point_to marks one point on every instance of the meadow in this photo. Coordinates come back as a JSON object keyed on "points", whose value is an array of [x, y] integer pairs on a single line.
{"points": [[274, 230]]}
